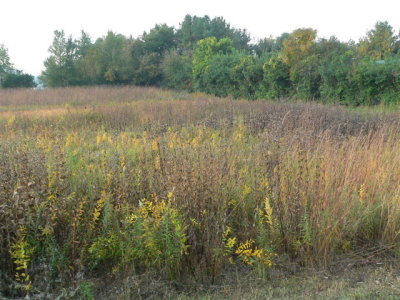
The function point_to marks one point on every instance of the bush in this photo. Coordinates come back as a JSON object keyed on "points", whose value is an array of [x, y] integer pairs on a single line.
{"points": [[151, 236], [17, 79]]}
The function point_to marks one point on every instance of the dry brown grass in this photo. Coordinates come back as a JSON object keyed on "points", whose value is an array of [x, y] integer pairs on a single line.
{"points": [[307, 182], [89, 95]]}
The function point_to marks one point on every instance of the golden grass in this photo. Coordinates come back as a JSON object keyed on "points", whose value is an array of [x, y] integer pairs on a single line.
{"points": [[37, 113], [114, 182]]}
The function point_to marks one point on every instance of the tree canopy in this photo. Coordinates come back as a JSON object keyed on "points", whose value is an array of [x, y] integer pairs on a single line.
{"points": [[209, 55]]}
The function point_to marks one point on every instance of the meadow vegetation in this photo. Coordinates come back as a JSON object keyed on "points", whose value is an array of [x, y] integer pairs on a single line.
{"points": [[124, 181]]}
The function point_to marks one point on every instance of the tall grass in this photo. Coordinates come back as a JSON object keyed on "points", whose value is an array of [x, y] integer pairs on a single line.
{"points": [[186, 188]]}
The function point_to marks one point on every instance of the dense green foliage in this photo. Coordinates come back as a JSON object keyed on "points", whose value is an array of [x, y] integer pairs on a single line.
{"points": [[208, 55]]}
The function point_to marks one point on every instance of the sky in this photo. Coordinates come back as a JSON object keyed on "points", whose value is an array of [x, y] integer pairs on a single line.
{"points": [[26, 26]]}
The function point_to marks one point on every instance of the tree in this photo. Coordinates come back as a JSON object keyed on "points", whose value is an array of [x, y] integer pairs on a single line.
{"points": [[148, 71], [177, 71], [377, 82], [305, 78], [266, 45], [205, 51], [10, 77], [160, 39], [221, 29], [148, 54], [247, 76], [336, 63], [109, 60], [276, 78], [60, 65], [83, 44], [194, 29], [5, 64], [82, 67], [218, 77], [17, 79], [297, 45], [380, 42]]}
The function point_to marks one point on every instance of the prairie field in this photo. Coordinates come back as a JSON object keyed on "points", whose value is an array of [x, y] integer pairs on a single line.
{"points": [[174, 194]]}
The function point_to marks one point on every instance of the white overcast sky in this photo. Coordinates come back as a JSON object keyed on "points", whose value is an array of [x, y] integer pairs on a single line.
{"points": [[26, 26]]}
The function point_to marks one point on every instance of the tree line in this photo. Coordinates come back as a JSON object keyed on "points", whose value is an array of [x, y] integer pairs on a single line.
{"points": [[209, 55]]}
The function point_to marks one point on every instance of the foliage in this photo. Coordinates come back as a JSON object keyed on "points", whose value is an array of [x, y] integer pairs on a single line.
{"points": [[148, 70], [85, 291], [5, 64], [380, 42], [160, 39], [207, 50], [60, 65], [336, 68], [208, 55], [108, 60], [21, 253], [217, 77], [276, 78], [17, 79], [298, 45], [268, 45], [377, 82], [194, 29], [151, 235], [9, 76], [247, 76], [177, 71], [305, 76], [148, 55]]}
